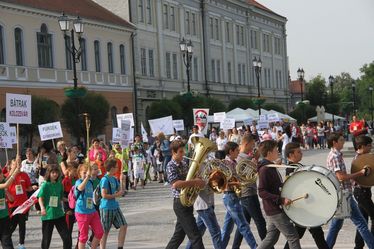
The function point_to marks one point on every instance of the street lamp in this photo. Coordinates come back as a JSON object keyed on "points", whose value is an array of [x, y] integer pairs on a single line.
{"points": [[186, 48], [371, 102], [300, 75], [64, 23], [354, 97], [257, 65], [331, 81]]}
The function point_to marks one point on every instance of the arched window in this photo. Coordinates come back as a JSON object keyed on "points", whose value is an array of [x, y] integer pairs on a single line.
{"points": [[18, 43], [113, 113], [122, 58], [125, 109], [44, 41], [83, 58], [2, 115], [97, 56], [110, 57], [2, 49]]}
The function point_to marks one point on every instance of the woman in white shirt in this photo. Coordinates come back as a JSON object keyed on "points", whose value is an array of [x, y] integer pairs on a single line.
{"points": [[285, 138], [235, 136], [221, 142]]}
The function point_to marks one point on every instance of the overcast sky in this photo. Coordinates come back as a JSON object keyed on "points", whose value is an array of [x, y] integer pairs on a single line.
{"points": [[327, 36]]}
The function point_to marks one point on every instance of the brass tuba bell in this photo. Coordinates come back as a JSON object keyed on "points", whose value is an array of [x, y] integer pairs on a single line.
{"points": [[246, 171], [217, 174], [202, 147]]}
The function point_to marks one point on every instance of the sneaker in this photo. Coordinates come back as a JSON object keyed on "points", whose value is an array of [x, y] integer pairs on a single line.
{"points": [[21, 246], [160, 181], [166, 184]]}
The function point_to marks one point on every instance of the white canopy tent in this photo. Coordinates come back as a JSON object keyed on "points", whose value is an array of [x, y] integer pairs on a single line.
{"points": [[328, 117]]}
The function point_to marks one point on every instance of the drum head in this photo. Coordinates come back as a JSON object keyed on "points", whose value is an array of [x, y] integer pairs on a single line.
{"points": [[319, 206]]}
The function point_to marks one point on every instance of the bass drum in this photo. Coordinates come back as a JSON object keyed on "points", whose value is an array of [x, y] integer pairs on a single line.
{"points": [[316, 194]]}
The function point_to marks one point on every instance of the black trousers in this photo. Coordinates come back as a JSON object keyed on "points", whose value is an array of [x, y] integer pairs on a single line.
{"points": [[62, 229], [5, 234], [366, 205], [20, 220], [186, 224], [317, 234]]}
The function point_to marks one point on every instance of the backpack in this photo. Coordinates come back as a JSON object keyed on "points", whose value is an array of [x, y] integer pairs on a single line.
{"points": [[72, 199], [97, 193]]}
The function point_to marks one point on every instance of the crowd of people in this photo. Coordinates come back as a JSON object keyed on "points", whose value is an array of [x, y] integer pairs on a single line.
{"points": [[74, 188]]}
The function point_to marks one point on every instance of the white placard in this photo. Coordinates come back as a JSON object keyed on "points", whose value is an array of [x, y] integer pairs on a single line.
{"points": [[248, 121], [18, 108], [178, 124], [227, 123], [116, 135], [13, 134], [50, 131], [263, 117], [218, 117], [125, 133], [164, 125], [144, 133], [5, 139], [125, 116], [273, 117], [263, 125]]}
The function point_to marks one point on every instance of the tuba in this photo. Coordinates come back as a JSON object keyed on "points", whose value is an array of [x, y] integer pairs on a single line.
{"points": [[246, 171], [202, 146], [217, 174]]}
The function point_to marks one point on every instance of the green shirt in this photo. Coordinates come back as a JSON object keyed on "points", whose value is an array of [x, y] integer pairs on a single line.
{"points": [[95, 182], [3, 204], [52, 194]]}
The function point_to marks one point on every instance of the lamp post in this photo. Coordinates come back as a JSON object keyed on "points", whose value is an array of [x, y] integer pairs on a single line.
{"points": [[186, 48], [354, 97], [64, 23], [331, 81], [300, 75], [257, 65], [371, 102]]}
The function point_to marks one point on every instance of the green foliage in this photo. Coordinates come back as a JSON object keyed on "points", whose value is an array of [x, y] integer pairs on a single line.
{"points": [[164, 108], [43, 111], [302, 112], [214, 105], [316, 91], [273, 106], [94, 104], [243, 103], [187, 102]]}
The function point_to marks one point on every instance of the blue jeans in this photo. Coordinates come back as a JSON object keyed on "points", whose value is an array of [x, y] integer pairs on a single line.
{"points": [[252, 210], [207, 219], [234, 214], [358, 220]]}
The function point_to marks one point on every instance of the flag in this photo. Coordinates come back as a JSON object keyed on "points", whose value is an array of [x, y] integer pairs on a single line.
{"points": [[27, 204], [144, 133]]}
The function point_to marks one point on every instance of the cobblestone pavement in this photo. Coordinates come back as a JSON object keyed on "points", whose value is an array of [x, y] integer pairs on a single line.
{"points": [[151, 219]]}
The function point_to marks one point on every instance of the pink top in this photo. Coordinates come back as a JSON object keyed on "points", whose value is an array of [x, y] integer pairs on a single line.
{"points": [[92, 154]]}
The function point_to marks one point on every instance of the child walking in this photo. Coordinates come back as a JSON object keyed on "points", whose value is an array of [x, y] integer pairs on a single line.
{"points": [[50, 200], [138, 162]]}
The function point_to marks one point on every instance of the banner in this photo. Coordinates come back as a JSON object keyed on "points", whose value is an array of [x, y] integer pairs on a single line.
{"points": [[27, 204], [164, 125], [248, 121], [227, 123], [116, 135], [125, 133], [178, 124], [50, 131], [200, 117], [263, 125], [125, 116], [5, 138], [218, 117], [144, 133], [273, 117], [18, 108]]}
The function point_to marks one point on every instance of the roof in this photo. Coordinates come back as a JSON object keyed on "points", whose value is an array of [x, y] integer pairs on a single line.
{"points": [[295, 86], [263, 7], [84, 8]]}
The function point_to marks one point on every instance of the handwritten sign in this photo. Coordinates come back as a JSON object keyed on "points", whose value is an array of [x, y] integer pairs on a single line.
{"points": [[273, 117], [218, 117], [227, 123], [13, 134], [18, 108], [248, 121], [50, 131], [263, 117], [164, 125], [178, 125], [116, 135], [125, 133], [263, 125], [5, 139], [125, 116]]}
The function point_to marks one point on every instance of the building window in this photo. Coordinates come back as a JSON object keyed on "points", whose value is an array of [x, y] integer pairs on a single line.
{"points": [[266, 43], [97, 56], [213, 71], [175, 67], [172, 18], [211, 28], [18, 42], [141, 11], [228, 38], [166, 17], [194, 24], [83, 57], [149, 12], [195, 69], [122, 58], [68, 55], [218, 70], [2, 56], [110, 57], [254, 39], [168, 65], [113, 114], [277, 46], [143, 61], [239, 74], [44, 41], [151, 63], [237, 35], [188, 27], [217, 28], [229, 72], [242, 35], [243, 74]]}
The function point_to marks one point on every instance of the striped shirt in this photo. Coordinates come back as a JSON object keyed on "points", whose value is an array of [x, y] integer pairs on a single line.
{"points": [[176, 171], [335, 162]]}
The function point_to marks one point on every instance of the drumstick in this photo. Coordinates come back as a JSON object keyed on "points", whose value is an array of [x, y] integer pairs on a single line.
{"points": [[305, 196], [281, 166]]}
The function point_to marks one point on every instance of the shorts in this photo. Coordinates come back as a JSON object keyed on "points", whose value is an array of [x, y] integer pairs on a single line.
{"points": [[159, 168], [139, 175], [89, 220], [112, 216]]}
